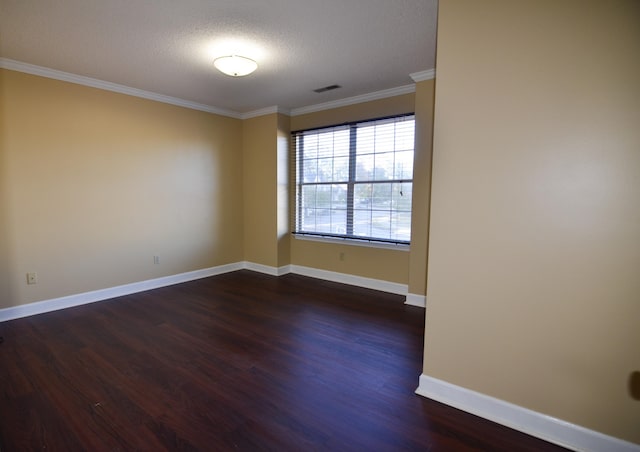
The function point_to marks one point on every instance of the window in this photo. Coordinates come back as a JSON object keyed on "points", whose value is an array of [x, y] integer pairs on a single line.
{"points": [[355, 180]]}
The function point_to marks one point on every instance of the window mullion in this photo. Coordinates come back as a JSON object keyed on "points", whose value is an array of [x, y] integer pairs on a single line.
{"points": [[352, 177], [300, 159]]}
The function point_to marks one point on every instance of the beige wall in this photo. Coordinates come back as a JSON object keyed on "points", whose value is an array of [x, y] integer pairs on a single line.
{"points": [[5, 291], [260, 175], [377, 263], [266, 187], [95, 184], [421, 187], [283, 191], [533, 287]]}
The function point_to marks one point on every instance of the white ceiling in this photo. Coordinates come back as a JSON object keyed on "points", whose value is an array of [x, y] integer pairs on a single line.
{"points": [[167, 46]]}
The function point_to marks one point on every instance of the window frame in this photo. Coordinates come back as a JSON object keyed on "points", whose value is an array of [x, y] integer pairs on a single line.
{"points": [[351, 182]]}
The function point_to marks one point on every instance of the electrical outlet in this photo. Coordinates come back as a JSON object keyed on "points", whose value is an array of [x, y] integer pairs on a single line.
{"points": [[32, 278], [156, 260], [341, 256]]}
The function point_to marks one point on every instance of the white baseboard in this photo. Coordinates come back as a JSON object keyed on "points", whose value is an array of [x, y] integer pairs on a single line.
{"points": [[416, 300], [522, 419], [284, 270], [360, 281], [267, 269], [54, 304], [344, 278]]}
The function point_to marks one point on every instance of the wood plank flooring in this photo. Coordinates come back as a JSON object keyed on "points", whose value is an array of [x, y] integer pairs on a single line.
{"points": [[240, 361]]}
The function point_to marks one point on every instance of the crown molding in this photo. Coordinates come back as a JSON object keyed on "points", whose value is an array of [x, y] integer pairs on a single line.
{"points": [[265, 111], [32, 69], [423, 75], [13, 65], [407, 89]]}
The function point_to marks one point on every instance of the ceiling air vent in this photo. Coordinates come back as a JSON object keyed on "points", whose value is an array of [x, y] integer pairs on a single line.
{"points": [[326, 88]]}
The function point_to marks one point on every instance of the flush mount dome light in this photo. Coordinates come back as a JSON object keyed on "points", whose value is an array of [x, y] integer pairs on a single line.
{"points": [[235, 65]]}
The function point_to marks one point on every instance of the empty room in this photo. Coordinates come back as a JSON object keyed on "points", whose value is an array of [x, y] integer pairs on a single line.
{"points": [[343, 225]]}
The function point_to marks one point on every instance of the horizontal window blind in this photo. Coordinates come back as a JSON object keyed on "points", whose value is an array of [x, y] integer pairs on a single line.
{"points": [[355, 180]]}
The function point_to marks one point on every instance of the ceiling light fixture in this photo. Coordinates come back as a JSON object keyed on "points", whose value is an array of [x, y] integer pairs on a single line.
{"points": [[235, 65]]}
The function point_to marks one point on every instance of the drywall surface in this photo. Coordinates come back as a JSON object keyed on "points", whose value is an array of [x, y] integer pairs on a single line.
{"points": [[260, 156], [95, 184], [421, 188], [533, 289]]}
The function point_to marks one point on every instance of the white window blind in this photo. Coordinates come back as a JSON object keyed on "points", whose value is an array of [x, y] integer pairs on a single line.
{"points": [[355, 181]]}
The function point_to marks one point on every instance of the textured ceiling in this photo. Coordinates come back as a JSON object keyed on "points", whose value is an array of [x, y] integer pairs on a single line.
{"points": [[167, 46]]}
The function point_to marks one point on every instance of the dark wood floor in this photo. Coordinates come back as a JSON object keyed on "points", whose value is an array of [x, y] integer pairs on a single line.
{"points": [[241, 361]]}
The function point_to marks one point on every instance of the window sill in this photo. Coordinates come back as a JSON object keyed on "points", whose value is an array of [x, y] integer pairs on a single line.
{"points": [[353, 242]]}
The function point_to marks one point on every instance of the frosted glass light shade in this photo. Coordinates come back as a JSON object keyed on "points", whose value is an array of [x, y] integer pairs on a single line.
{"points": [[235, 65]]}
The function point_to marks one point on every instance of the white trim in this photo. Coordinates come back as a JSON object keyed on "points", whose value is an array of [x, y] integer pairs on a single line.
{"points": [[32, 69], [530, 422], [344, 278], [354, 100], [264, 111], [353, 242], [423, 75], [19, 66], [267, 269], [286, 269], [416, 300], [55, 304]]}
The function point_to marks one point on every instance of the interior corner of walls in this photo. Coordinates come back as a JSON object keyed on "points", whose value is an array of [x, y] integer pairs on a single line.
{"points": [[261, 268], [531, 422], [284, 270], [268, 269], [416, 300]]}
